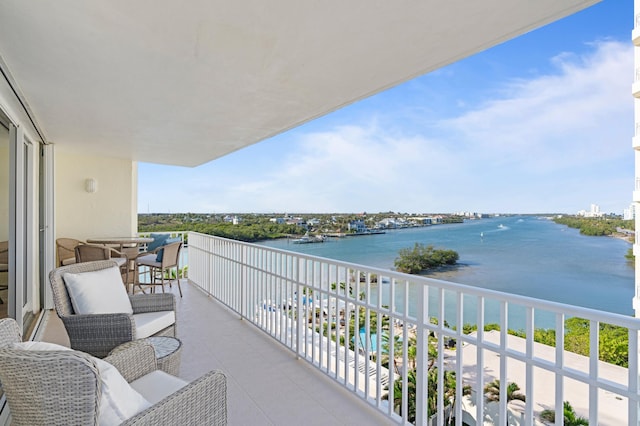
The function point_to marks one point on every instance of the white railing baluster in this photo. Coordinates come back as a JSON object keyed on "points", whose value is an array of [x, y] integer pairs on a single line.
{"points": [[355, 331], [336, 323], [594, 345], [559, 368], [459, 360], [634, 383], [422, 336], [301, 316], [504, 327], [367, 350], [440, 360], [528, 412], [479, 368]]}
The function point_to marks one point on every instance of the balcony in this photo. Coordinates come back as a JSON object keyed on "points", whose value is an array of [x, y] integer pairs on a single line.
{"points": [[270, 319], [266, 383]]}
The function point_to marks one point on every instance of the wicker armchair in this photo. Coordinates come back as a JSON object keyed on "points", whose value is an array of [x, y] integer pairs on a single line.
{"points": [[65, 250], [98, 334], [63, 387]]}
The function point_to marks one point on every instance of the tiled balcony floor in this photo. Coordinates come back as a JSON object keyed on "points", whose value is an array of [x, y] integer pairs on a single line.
{"points": [[267, 385]]}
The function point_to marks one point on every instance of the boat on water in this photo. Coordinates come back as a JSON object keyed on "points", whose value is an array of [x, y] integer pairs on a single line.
{"points": [[308, 239], [366, 232]]}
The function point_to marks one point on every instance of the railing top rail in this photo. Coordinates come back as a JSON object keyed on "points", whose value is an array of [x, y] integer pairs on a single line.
{"points": [[555, 307]]}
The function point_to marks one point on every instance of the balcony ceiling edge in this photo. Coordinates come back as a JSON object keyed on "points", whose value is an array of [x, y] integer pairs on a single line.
{"points": [[185, 84]]}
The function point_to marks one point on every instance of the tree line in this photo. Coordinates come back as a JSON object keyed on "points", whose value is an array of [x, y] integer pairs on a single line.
{"points": [[613, 344], [247, 230], [596, 226]]}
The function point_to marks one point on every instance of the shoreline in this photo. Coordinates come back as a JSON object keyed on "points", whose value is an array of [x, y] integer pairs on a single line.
{"points": [[624, 236]]}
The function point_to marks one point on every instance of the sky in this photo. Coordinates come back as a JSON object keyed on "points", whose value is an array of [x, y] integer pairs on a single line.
{"points": [[539, 124]]}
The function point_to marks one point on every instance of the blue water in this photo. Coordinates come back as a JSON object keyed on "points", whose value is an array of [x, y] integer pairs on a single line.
{"points": [[524, 255]]}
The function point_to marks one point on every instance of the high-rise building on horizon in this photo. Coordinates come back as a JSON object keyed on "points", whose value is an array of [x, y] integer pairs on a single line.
{"points": [[594, 211]]}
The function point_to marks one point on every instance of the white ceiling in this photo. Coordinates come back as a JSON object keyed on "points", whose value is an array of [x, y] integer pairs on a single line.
{"points": [[185, 82]]}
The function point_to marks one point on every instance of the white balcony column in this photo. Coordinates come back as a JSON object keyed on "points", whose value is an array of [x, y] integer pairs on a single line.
{"points": [[634, 414], [635, 35]]}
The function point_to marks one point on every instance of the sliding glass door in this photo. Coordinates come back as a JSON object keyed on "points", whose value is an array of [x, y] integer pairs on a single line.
{"points": [[4, 216], [21, 281]]}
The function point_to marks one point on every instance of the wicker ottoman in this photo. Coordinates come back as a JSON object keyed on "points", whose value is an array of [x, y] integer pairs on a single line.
{"points": [[167, 349]]}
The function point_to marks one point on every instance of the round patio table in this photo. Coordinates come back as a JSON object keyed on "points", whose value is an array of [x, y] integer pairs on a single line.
{"points": [[121, 241], [167, 351], [128, 246]]}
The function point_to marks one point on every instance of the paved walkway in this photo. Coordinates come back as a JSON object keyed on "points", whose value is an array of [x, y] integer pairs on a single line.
{"points": [[612, 409]]}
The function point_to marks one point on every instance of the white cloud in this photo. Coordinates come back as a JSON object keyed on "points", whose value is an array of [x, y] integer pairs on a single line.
{"points": [[580, 116], [346, 169], [551, 143]]}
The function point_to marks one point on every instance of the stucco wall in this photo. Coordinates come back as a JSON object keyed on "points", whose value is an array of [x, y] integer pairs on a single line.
{"points": [[111, 211]]}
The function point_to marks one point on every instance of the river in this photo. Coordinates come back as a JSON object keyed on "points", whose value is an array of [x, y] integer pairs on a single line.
{"points": [[526, 255]]}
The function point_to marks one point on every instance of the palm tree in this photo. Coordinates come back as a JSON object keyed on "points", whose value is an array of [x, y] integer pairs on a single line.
{"points": [[397, 351], [449, 394], [411, 393], [412, 352], [492, 392], [450, 386], [570, 416]]}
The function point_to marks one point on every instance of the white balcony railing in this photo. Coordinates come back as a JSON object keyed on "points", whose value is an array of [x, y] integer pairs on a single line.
{"points": [[308, 304]]}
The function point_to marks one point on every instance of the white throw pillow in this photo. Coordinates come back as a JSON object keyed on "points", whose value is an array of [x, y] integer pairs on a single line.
{"points": [[98, 292], [119, 400]]}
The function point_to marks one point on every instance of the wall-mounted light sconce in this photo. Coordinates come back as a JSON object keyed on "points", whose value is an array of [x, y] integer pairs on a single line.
{"points": [[91, 185]]}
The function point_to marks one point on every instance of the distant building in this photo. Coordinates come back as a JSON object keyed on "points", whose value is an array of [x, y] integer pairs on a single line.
{"points": [[278, 220], [470, 215], [295, 221], [388, 223], [232, 219], [593, 212], [357, 225]]}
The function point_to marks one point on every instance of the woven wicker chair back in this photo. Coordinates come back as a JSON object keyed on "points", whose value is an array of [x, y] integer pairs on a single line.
{"points": [[91, 253], [34, 381], [65, 248], [171, 254], [50, 387], [9, 332], [61, 298]]}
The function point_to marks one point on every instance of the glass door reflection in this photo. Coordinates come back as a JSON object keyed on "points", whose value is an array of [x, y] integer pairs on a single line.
{"points": [[4, 215]]}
